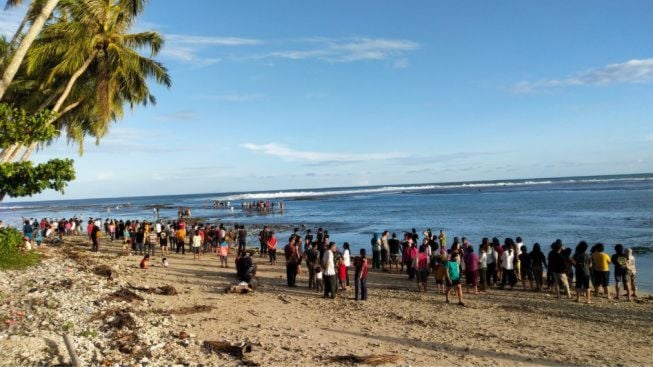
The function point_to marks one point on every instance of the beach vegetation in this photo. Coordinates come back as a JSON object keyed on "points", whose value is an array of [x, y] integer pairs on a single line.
{"points": [[11, 254]]}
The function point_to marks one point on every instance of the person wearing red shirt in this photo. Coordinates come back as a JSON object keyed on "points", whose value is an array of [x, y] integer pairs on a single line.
{"points": [[360, 276]]}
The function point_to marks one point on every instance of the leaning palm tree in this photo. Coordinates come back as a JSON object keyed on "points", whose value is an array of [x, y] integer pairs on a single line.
{"points": [[98, 66], [19, 54]]}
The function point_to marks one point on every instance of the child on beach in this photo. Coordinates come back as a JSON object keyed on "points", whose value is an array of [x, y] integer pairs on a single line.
{"points": [[224, 252], [319, 286], [342, 274], [144, 262], [452, 278], [164, 262]]}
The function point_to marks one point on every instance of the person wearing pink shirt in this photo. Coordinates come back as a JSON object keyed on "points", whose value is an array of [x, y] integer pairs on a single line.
{"points": [[471, 269]]}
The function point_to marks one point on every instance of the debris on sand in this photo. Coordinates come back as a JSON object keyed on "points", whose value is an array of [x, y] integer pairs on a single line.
{"points": [[124, 294], [166, 290], [372, 360]]}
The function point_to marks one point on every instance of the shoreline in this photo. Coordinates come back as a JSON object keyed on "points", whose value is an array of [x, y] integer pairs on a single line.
{"points": [[294, 326]]}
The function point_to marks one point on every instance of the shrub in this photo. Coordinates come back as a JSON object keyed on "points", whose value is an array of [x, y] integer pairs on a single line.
{"points": [[11, 256]]}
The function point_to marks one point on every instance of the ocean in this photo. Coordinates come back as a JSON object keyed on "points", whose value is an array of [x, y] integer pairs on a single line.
{"points": [[607, 209]]}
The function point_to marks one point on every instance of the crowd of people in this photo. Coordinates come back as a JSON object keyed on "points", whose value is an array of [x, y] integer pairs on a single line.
{"points": [[491, 264]]}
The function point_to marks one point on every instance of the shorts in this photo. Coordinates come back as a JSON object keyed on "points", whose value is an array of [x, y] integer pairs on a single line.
{"points": [[384, 256], [196, 250], [422, 276], [439, 281], [582, 281], [454, 282], [394, 258], [620, 277], [601, 278]]}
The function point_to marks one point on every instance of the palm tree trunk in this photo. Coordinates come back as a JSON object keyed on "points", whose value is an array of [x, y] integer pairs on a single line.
{"points": [[73, 79], [28, 152], [25, 44], [15, 153], [6, 152]]}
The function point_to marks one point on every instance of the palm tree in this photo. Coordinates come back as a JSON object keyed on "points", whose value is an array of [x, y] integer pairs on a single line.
{"points": [[26, 41], [98, 68]]}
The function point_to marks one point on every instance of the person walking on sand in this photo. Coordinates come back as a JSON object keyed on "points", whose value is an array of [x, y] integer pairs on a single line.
{"points": [[181, 239], [360, 276], [582, 263], [601, 265], [620, 262], [328, 263], [452, 278], [272, 248]]}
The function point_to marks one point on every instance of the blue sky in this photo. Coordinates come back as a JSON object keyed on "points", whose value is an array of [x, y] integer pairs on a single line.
{"points": [[294, 94]]}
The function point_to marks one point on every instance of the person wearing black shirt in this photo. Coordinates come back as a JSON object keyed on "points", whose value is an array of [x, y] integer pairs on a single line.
{"points": [[558, 267], [395, 251], [538, 262], [620, 262]]}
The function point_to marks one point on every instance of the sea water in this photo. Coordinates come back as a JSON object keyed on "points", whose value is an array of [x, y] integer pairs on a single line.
{"points": [[607, 209]]}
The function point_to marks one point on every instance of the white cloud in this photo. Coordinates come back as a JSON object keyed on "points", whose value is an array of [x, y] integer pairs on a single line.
{"points": [[192, 49], [186, 48], [104, 175], [346, 49], [629, 72], [291, 154], [183, 115]]}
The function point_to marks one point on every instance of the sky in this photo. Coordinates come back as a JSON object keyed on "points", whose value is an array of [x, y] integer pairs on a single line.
{"points": [[271, 95]]}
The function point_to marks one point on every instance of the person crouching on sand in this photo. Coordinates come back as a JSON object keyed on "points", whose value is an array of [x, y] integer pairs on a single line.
{"points": [[164, 262], [144, 262], [453, 278]]}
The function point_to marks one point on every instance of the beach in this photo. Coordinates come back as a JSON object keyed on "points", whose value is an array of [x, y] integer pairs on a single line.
{"points": [[89, 297]]}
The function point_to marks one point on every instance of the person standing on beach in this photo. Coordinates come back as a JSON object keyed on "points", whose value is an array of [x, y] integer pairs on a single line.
{"points": [[292, 261], [421, 267], [328, 263], [442, 237], [538, 262], [482, 264], [376, 251], [196, 243], [346, 261], [263, 241], [152, 241], [163, 242], [95, 238], [242, 238], [272, 248], [385, 249], [558, 268], [452, 278], [632, 272], [312, 256], [181, 240], [471, 269], [360, 276], [526, 266], [620, 262], [582, 263], [508, 268], [601, 264]]}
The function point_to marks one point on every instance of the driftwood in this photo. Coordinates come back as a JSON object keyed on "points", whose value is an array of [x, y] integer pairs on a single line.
{"points": [[74, 361], [234, 349], [166, 290], [372, 360]]}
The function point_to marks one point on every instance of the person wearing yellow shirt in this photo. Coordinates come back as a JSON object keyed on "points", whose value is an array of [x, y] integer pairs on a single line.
{"points": [[601, 264]]}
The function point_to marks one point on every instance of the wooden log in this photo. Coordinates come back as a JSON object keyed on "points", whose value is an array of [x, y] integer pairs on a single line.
{"points": [[234, 349]]}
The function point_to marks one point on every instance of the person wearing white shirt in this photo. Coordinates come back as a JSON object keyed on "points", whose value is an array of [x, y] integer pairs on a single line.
{"points": [[507, 263], [482, 265], [328, 263], [346, 259]]}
